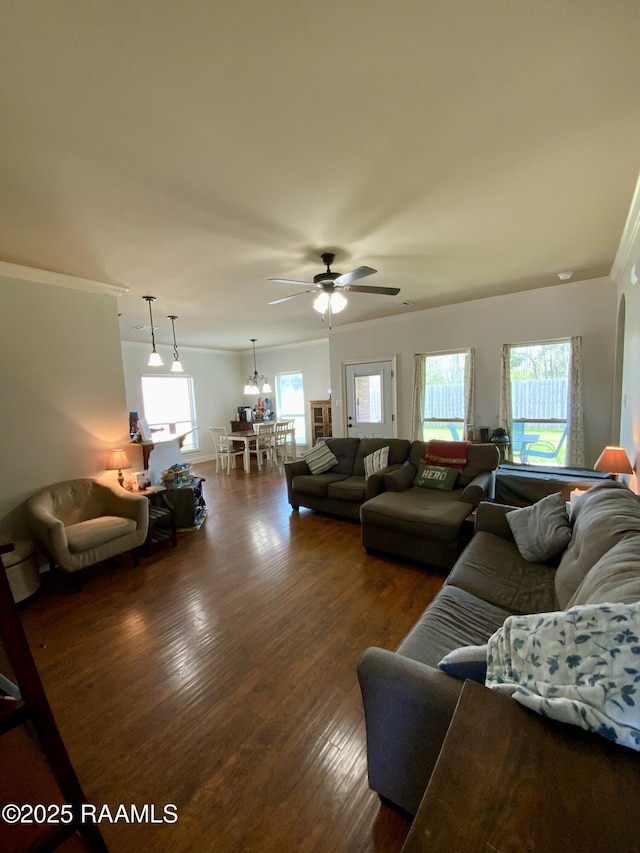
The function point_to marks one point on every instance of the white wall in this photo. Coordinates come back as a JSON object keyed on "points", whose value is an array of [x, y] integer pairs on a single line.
{"points": [[310, 358], [628, 400], [585, 308], [62, 389], [217, 381]]}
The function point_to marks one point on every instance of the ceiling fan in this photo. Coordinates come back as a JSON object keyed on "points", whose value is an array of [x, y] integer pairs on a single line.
{"points": [[330, 286]]}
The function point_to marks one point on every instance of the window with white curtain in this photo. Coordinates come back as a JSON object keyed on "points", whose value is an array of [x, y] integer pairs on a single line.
{"points": [[169, 405], [541, 401], [290, 402], [443, 395]]}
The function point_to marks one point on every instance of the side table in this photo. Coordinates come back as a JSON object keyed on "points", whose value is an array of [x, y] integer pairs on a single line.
{"points": [[162, 518], [510, 780]]}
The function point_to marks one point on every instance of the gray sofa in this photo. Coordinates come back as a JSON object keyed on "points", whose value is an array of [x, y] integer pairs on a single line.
{"points": [[409, 701], [424, 524], [342, 489]]}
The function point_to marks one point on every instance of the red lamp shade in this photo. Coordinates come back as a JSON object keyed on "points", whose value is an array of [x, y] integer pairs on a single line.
{"points": [[614, 460], [116, 462]]}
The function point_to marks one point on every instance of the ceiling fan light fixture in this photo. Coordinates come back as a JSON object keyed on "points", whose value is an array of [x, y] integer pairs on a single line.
{"points": [[321, 302], [338, 302]]}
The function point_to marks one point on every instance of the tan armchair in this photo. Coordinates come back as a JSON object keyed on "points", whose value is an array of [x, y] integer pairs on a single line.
{"points": [[82, 522]]}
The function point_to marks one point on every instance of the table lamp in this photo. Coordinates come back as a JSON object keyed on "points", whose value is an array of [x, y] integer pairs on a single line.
{"points": [[615, 461], [116, 462]]}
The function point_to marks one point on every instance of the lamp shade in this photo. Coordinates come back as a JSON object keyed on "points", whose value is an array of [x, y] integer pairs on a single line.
{"points": [[117, 460], [614, 460]]}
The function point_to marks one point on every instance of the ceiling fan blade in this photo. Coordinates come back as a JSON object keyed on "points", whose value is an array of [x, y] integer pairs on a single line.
{"points": [[363, 288], [354, 275], [291, 296], [291, 281]]}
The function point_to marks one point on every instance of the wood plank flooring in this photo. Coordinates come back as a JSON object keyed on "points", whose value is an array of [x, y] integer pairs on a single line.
{"points": [[219, 676]]}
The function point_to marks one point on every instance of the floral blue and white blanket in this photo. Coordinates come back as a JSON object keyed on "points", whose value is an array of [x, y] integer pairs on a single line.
{"points": [[580, 666]]}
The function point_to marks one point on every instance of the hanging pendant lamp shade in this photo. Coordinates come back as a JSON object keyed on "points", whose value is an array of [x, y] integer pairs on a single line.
{"points": [[176, 367], [253, 382], [154, 357]]}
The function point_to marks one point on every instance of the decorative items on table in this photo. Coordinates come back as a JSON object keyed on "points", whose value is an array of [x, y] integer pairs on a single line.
{"points": [[177, 475]]}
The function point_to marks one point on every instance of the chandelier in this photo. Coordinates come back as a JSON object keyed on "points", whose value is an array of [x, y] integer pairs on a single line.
{"points": [[252, 383]]}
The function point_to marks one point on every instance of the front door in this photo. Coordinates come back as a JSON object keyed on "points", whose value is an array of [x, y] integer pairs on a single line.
{"points": [[370, 400]]}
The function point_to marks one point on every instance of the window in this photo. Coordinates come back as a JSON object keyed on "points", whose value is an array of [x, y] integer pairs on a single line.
{"points": [[443, 402], [539, 375], [369, 399], [290, 402], [169, 405]]}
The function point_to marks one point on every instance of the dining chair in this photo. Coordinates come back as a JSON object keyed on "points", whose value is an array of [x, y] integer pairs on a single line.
{"points": [[282, 441], [224, 447], [264, 446]]}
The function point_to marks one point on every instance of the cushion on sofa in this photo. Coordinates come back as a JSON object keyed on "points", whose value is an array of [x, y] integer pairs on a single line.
{"points": [[615, 577], [315, 484], [606, 514], [345, 450], [435, 477], [398, 451], [320, 458], [348, 489], [541, 530], [492, 568], [466, 662], [376, 461], [420, 512], [480, 458], [97, 531], [454, 618]]}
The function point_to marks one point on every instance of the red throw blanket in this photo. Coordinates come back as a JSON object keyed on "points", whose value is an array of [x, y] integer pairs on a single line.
{"points": [[446, 454]]}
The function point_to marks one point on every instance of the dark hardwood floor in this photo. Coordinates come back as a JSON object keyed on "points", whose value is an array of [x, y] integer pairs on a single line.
{"points": [[219, 676]]}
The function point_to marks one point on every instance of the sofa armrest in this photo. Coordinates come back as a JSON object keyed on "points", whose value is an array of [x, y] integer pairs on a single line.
{"points": [[375, 483], [408, 707], [482, 486], [120, 502], [400, 479], [492, 518]]}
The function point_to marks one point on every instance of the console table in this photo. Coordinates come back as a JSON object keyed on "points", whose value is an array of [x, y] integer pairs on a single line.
{"points": [[510, 780]]}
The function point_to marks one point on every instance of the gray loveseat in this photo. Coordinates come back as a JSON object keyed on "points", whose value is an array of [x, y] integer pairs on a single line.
{"points": [[342, 489], [409, 701], [427, 525]]}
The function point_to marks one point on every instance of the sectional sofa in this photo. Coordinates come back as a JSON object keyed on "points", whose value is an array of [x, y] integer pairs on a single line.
{"points": [[409, 700]]}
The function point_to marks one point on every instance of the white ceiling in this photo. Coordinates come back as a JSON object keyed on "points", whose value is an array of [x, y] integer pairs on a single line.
{"points": [[191, 150]]}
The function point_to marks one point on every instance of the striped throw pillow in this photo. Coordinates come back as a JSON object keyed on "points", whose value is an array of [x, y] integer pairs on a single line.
{"points": [[320, 458], [376, 461]]}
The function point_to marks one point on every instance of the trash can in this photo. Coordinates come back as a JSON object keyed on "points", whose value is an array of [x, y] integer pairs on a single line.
{"points": [[21, 566]]}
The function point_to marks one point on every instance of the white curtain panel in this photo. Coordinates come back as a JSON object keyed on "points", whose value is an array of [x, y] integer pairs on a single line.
{"points": [[469, 391], [575, 435], [419, 385], [505, 416]]}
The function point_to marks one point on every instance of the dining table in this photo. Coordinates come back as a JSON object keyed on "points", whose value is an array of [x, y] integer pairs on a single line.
{"points": [[247, 436]]}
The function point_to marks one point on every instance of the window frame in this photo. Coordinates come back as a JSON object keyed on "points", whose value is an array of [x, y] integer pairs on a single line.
{"points": [[191, 443], [300, 418], [425, 420]]}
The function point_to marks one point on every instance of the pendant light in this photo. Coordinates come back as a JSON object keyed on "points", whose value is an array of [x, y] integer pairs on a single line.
{"points": [[176, 367], [154, 357], [253, 382]]}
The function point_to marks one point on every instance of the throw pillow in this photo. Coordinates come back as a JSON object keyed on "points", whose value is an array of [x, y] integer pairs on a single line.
{"points": [[541, 530], [435, 477], [466, 662], [376, 461], [320, 458], [446, 454]]}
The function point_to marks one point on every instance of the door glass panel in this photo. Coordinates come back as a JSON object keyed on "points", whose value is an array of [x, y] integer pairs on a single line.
{"points": [[368, 399]]}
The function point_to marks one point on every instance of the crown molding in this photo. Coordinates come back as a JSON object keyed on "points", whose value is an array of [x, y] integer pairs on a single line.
{"points": [[58, 279], [628, 241]]}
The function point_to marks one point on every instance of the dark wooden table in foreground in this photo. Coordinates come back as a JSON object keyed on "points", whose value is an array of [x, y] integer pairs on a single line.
{"points": [[508, 779]]}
